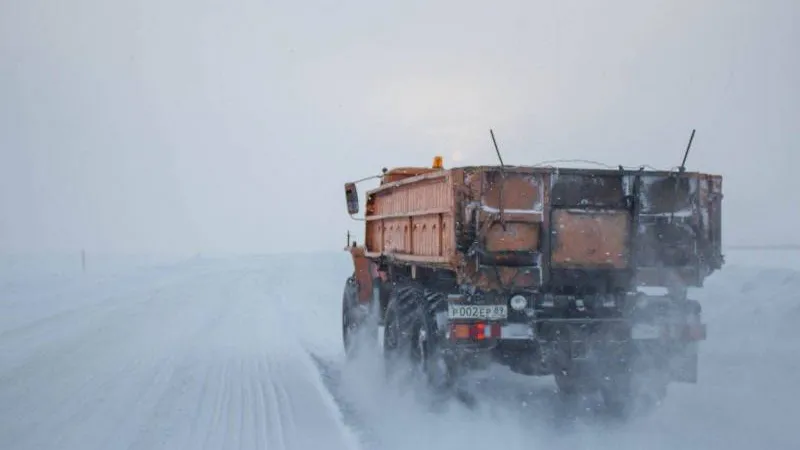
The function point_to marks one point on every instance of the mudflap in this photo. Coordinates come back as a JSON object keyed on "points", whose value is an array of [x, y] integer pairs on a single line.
{"points": [[359, 324], [683, 364]]}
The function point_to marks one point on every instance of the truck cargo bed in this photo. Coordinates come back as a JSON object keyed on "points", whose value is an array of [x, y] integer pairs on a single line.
{"points": [[545, 228]]}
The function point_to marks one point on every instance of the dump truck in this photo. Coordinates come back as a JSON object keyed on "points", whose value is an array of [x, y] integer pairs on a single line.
{"points": [[580, 274]]}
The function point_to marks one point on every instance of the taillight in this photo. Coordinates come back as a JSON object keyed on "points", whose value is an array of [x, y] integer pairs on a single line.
{"points": [[477, 331], [459, 331]]}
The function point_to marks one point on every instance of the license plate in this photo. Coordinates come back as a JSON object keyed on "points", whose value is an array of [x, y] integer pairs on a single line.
{"points": [[479, 312]]}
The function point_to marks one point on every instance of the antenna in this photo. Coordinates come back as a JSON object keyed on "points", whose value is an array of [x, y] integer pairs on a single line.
{"points": [[503, 180], [682, 168], [496, 149]]}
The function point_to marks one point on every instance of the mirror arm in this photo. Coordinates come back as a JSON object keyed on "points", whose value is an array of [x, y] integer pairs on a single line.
{"points": [[351, 193]]}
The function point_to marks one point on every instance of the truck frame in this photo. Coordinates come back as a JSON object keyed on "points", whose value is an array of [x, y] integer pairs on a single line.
{"points": [[542, 269]]}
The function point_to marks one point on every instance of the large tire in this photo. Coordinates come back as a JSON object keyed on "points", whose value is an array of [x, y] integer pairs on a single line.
{"points": [[412, 340]]}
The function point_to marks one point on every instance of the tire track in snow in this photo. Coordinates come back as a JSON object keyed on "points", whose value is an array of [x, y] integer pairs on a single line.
{"points": [[206, 361], [262, 436], [276, 418]]}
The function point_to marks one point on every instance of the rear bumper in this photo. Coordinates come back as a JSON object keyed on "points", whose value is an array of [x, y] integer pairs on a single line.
{"points": [[548, 318], [485, 333]]}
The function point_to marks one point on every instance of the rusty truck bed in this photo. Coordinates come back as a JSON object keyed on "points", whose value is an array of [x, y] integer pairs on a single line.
{"points": [[531, 226]]}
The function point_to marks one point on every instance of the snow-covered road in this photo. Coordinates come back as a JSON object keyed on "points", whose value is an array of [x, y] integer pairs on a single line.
{"points": [[245, 353], [197, 356]]}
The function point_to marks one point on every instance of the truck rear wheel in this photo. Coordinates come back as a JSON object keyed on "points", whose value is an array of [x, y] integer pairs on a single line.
{"points": [[412, 340]]}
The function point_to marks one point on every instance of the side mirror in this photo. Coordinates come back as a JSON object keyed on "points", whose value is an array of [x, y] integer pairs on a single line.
{"points": [[351, 193]]}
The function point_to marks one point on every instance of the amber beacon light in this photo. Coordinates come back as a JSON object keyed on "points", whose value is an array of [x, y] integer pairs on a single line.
{"points": [[437, 162]]}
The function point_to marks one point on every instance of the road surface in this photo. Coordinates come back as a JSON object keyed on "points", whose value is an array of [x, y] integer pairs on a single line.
{"points": [[245, 353]]}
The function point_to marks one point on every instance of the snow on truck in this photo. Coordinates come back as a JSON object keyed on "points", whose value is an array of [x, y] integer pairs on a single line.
{"points": [[545, 270]]}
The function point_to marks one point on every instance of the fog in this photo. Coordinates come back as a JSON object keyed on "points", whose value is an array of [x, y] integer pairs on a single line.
{"points": [[200, 126]]}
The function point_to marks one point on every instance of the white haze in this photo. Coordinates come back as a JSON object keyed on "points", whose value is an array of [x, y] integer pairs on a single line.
{"points": [[188, 126]]}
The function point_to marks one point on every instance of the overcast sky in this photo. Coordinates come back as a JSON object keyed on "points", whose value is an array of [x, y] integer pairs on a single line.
{"points": [[232, 125]]}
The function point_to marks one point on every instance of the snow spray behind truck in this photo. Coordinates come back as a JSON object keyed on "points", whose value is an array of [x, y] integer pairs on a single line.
{"points": [[541, 269]]}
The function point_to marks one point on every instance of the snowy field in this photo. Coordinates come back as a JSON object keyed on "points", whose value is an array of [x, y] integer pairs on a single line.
{"points": [[245, 353]]}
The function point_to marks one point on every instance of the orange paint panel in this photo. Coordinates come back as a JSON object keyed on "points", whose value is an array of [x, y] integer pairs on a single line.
{"points": [[396, 235], [505, 276], [517, 236], [416, 217], [590, 239], [447, 239], [373, 239], [401, 173], [520, 191], [414, 198], [426, 236]]}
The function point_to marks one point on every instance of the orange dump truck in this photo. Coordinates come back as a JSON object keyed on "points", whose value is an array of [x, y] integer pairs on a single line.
{"points": [[541, 269]]}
